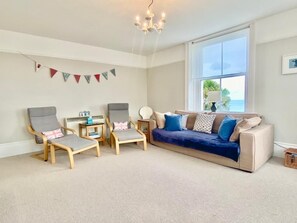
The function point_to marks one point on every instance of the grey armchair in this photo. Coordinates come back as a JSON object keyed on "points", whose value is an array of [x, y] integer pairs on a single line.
{"points": [[119, 112], [43, 119]]}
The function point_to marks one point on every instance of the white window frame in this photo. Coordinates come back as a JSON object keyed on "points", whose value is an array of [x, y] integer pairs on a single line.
{"points": [[191, 97]]}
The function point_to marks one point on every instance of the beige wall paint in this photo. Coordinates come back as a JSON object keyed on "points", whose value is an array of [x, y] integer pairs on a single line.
{"points": [[276, 93], [166, 87], [21, 87]]}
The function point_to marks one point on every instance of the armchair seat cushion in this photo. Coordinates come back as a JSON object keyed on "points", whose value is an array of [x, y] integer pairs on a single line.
{"points": [[128, 134], [74, 142]]}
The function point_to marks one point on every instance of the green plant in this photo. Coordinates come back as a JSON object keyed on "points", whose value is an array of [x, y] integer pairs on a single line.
{"points": [[210, 85]]}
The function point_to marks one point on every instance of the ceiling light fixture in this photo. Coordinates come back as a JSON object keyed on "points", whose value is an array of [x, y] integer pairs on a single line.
{"points": [[149, 25]]}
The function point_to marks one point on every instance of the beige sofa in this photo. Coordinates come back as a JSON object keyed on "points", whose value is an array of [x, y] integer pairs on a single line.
{"points": [[256, 144]]}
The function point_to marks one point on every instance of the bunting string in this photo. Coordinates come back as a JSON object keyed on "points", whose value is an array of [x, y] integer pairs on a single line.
{"points": [[66, 75]]}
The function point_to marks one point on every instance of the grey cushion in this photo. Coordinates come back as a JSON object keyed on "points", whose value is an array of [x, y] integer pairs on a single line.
{"points": [[128, 134], [74, 142], [43, 119]]}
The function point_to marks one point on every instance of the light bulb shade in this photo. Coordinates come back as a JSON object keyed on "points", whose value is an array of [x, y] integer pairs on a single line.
{"points": [[214, 96], [149, 25]]}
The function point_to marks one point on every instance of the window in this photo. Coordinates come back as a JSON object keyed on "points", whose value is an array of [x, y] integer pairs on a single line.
{"points": [[219, 64]]}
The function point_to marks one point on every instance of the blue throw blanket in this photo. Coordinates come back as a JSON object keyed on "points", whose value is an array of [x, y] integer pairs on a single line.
{"points": [[210, 143]]}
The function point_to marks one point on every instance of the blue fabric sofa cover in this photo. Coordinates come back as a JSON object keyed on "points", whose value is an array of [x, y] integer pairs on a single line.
{"points": [[210, 143]]}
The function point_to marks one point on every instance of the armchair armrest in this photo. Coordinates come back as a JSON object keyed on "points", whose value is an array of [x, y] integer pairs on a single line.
{"points": [[69, 129], [256, 147], [33, 132], [109, 125], [133, 123]]}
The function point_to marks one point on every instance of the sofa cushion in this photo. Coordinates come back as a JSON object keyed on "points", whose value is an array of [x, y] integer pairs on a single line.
{"points": [[220, 116], [204, 123], [160, 119], [210, 143], [244, 125], [184, 120], [226, 128], [173, 122]]}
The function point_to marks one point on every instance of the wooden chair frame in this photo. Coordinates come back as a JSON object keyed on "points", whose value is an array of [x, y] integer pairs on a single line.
{"points": [[114, 140], [53, 146]]}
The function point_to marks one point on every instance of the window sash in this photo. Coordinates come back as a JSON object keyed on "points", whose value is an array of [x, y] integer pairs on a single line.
{"points": [[195, 91]]}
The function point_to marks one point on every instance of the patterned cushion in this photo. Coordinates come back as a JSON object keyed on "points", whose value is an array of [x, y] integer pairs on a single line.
{"points": [[57, 133], [120, 126], [204, 123]]}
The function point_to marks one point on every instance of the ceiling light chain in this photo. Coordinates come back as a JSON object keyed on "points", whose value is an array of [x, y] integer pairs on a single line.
{"points": [[148, 25]]}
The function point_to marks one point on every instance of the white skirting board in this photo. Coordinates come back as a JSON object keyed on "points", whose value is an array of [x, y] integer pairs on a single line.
{"points": [[18, 148], [29, 146], [280, 147]]}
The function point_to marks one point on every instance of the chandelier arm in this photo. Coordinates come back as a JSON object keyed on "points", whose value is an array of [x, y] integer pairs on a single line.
{"points": [[150, 4]]}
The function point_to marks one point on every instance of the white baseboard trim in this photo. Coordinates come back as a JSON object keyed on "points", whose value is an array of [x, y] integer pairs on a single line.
{"points": [[18, 148], [280, 147]]}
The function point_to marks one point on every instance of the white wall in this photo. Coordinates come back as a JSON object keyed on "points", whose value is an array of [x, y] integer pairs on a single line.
{"points": [[21, 87], [276, 93], [166, 90], [276, 27]]}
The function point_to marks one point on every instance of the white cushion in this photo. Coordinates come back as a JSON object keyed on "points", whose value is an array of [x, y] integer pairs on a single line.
{"points": [[160, 119]]}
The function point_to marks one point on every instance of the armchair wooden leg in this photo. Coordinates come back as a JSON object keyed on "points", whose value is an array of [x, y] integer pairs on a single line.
{"points": [[97, 150], [45, 151], [112, 141], [117, 148], [70, 155], [144, 145], [53, 155]]}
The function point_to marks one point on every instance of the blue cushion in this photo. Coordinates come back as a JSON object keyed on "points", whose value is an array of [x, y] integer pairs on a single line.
{"points": [[226, 128], [173, 123]]}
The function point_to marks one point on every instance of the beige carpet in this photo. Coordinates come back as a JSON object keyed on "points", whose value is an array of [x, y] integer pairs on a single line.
{"points": [[137, 186]]}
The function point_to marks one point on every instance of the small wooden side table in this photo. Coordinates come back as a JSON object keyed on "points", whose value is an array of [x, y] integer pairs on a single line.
{"points": [[92, 130], [291, 158], [144, 126]]}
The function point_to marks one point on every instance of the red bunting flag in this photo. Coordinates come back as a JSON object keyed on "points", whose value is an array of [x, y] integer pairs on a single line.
{"points": [[97, 76], [53, 72], [77, 77]]}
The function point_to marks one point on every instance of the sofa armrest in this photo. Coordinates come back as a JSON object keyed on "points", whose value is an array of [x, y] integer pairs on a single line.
{"points": [[153, 125], [256, 147]]}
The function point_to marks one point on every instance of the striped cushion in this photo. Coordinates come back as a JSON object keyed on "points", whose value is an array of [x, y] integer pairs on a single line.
{"points": [[57, 133], [119, 126]]}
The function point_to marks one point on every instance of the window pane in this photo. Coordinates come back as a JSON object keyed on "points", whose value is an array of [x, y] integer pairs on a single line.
{"points": [[235, 56], [211, 60], [233, 94], [208, 85]]}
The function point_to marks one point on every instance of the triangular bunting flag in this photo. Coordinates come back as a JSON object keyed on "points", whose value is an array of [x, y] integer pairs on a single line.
{"points": [[65, 76], [37, 66], [113, 72], [88, 78], [105, 75], [97, 76], [53, 72], [77, 77]]}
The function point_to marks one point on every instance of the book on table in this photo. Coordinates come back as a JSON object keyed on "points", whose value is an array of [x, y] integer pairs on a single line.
{"points": [[94, 135]]}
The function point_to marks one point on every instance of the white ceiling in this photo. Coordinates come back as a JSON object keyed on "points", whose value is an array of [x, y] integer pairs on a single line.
{"points": [[109, 23]]}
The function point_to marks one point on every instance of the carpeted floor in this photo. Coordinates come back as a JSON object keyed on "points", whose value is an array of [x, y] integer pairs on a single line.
{"points": [[137, 186]]}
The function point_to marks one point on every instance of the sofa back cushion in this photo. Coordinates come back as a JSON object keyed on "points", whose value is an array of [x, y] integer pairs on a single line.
{"points": [[219, 118]]}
